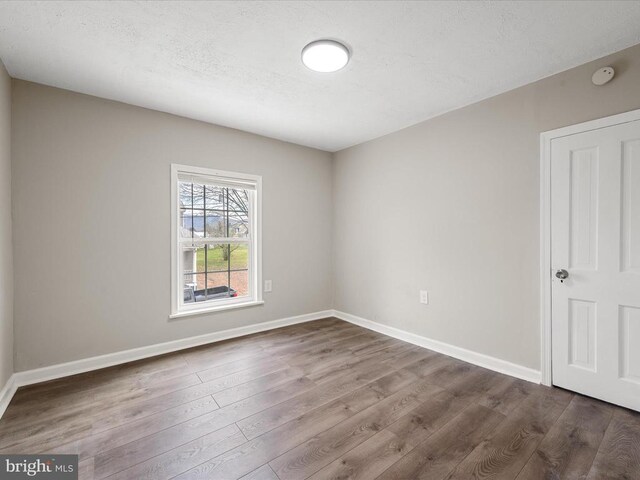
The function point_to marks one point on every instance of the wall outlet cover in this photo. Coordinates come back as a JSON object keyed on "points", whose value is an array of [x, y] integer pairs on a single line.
{"points": [[424, 297]]}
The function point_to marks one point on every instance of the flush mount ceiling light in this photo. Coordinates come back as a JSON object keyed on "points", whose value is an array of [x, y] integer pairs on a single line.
{"points": [[325, 56]]}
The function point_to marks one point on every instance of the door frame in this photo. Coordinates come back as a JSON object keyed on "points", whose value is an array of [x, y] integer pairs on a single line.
{"points": [[545, 226]]}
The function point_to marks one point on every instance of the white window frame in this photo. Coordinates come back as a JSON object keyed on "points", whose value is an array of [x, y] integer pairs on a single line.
{"points": [[178, 307]]}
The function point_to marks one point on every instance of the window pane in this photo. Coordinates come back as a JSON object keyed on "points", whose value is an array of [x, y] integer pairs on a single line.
{"points": [[239, 256], [198, 195], [240, 283], [215, 197], [185, 194], [217, 286], [198, 223], [216, 224], [194, 271], [186, 223], [193, 287], [238, 200], [239, 224], [189, 287], [239, 280], [225, 256], [217, 257], [217, 279], [193, 260]]}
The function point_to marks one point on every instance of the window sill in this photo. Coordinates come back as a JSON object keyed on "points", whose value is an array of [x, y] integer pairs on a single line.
{"points": [[217, 308]]}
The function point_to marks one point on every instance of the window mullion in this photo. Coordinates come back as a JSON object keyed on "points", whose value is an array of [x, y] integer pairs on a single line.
{"points": [[204, 232], [228, 246], [188, 242]]}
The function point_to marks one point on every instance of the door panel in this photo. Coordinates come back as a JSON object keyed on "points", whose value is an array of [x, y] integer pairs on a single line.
{"points": [[583, 209], [595, 224], [631, 207], [582, 336], [630, 343]]}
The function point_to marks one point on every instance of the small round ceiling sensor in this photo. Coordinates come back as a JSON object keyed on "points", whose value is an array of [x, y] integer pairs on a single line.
{"points": [[602, 76]]}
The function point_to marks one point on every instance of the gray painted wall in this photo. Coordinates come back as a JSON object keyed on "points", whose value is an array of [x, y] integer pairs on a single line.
{"points": [[451, 205], [6, 257], [91, 202]]}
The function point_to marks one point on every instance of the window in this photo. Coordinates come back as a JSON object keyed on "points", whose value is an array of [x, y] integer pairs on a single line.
{"points": [[215, 240]]}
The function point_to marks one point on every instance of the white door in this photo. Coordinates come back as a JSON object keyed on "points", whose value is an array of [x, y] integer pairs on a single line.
{"points": [[595, 225]]}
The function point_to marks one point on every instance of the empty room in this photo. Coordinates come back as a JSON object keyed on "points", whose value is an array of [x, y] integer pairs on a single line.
{"points": [[288, 240]]}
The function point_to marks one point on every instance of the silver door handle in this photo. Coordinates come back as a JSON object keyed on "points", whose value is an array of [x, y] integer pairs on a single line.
{"points": [[562, 274]]}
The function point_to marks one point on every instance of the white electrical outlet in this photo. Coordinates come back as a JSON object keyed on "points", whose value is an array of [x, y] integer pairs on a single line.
{"points": [[268, 285], [424, 297]]}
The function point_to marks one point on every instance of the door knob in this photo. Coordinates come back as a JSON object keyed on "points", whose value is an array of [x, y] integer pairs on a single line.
{"points": [[562, 275]]}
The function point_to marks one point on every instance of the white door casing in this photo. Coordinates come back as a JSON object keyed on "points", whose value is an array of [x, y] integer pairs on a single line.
{"points": [[595, 237]]}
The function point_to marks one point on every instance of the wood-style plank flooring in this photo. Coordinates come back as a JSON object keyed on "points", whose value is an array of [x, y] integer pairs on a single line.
{"points": [[320, 400]]}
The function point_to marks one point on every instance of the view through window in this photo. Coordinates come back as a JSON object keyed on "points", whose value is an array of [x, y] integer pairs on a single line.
{"points": [[214, 236]]}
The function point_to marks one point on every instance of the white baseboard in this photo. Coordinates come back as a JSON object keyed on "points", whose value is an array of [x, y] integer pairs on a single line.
{"points": [[480, 359], [7, 392], [52, 372]]}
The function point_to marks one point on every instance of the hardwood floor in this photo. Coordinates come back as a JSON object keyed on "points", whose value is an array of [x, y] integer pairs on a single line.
{"points": [[321, 400]]}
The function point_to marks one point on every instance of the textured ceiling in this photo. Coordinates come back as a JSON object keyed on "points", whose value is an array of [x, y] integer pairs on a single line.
{"points": [[238, 63]]}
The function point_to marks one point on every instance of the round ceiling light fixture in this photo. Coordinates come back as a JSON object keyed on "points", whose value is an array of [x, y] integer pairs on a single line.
{"points": [[325, 56]]}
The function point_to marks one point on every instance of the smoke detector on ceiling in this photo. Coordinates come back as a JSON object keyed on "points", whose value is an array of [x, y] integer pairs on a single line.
{"points": [[602, 76]]}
